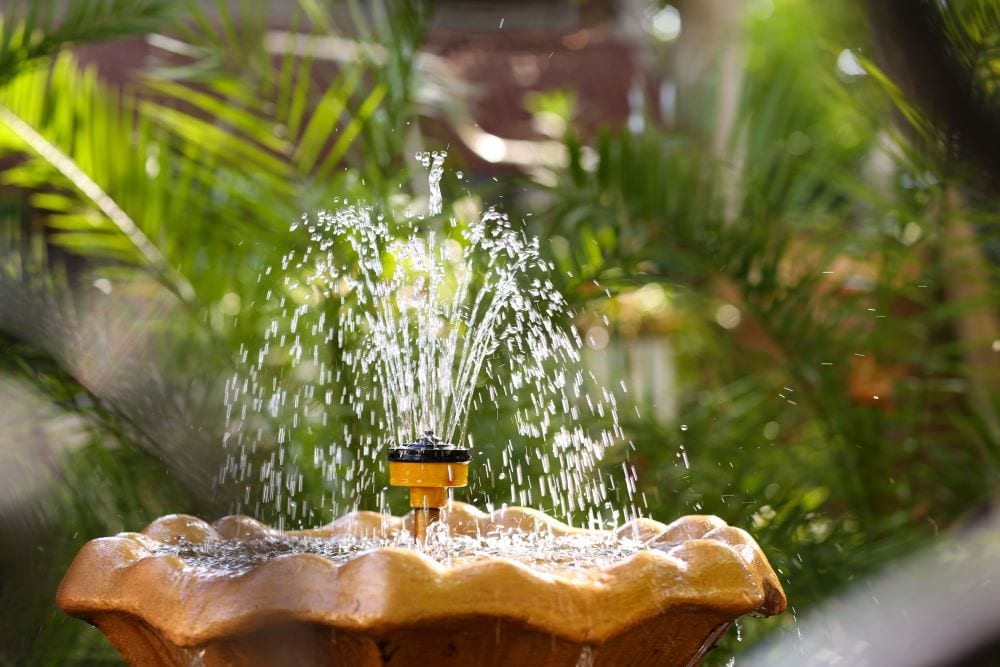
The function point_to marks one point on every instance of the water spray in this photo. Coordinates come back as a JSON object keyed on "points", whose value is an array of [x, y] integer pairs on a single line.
{"points": [[429, 467]]}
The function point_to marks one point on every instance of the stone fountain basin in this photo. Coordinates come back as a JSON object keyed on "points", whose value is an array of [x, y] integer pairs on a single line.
{"points": [[666, 605]]}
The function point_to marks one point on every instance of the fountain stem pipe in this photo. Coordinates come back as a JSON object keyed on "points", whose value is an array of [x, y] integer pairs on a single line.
{"points": [[429, 468]]}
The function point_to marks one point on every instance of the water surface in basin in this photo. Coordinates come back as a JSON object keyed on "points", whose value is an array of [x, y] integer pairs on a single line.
{"points": [[575, 553]]}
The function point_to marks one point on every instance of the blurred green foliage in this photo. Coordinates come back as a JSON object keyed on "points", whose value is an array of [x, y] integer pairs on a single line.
{"points": [[822, 226]]}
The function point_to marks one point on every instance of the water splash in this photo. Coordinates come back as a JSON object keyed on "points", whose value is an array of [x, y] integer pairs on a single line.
{"points": [[435, 163], [384, 329], [569, 555]]}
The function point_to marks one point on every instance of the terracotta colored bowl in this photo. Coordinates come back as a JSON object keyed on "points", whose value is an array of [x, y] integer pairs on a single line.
{"points": [[666, 605]]}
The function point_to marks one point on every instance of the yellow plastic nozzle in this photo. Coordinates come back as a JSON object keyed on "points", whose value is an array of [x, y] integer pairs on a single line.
{"points": [[429, 468], [428, 482]]}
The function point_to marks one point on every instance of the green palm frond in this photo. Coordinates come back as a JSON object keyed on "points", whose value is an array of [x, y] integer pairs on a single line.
{"points": [[88, 211], [309, 103], [39, 28], [276, 143], [973, 31]]}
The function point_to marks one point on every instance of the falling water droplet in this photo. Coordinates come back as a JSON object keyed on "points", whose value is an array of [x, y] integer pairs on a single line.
{"points": [[434, 181]]}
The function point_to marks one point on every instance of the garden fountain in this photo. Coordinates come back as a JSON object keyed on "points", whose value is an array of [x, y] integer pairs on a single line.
{"points": [[446, 584]]}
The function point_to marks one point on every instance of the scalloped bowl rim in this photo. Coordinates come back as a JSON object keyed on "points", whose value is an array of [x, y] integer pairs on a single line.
{"points": [[721, 570]]}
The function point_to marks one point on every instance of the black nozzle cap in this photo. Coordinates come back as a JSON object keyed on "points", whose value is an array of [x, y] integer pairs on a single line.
{"points": [[429, 449]]}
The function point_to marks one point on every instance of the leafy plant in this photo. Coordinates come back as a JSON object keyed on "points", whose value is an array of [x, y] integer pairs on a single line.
{"points": [[824, 403]]}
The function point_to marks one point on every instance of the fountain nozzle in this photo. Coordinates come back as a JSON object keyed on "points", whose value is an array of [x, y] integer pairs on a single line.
{"points": [[429, 467]]}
